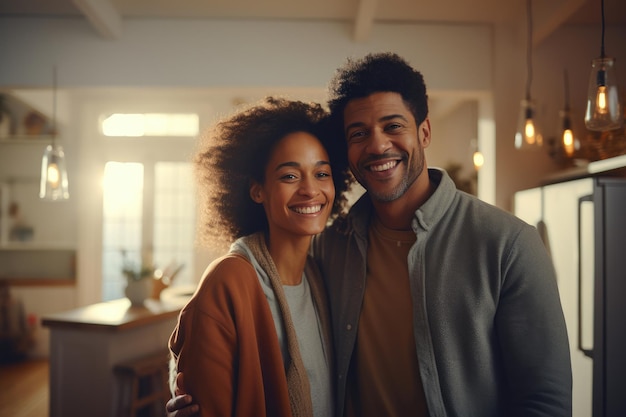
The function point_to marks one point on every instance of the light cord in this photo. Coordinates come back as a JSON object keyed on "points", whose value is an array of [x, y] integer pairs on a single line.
{"points": [[529, 54], [602, 20], [54, 105]]}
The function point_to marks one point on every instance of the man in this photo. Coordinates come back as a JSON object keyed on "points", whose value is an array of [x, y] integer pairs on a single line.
{"points": [[442, 305]]}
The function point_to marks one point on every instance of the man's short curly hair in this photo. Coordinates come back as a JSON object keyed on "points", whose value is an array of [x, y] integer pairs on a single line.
{"points": [[237, 151], [379, 72]]}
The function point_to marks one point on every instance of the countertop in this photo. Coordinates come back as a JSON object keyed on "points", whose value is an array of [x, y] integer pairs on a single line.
{"points": [[120, 315]]}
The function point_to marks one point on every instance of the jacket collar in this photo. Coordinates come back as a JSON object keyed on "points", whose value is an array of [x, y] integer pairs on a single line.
{"points": [[426, 216]]}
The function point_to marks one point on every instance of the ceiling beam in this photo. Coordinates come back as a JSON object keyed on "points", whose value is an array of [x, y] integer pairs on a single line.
{"points": [[364, 20], [551, 15], [103, 17]]}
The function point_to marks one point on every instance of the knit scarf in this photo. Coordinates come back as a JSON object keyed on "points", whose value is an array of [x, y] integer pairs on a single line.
{"points": [[297, 380]]}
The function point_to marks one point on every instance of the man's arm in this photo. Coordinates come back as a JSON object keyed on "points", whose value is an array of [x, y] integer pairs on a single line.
{"points": [[532, 332], [180, 405]]}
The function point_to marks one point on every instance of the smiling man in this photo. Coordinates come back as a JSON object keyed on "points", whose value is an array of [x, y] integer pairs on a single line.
{"points": [[442, 305]]}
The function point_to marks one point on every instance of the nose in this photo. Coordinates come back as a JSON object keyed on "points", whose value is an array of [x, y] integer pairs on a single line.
{"points": [[378, 142], [309, 186]]}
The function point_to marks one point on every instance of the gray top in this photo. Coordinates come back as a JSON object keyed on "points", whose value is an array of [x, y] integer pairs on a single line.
{"points": [[308, 330], [488, 325]]}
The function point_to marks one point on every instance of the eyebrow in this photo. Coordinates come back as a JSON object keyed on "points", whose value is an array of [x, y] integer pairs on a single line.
{"points": [[297, 165], [382, 119]]}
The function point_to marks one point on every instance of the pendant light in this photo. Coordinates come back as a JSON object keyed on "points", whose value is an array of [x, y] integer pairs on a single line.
{"points": [[53, 185], [569, 141], [604, 111], [528, 135]]}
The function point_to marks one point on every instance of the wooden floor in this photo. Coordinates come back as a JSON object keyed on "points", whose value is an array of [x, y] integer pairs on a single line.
{"points": [[24, 389]]}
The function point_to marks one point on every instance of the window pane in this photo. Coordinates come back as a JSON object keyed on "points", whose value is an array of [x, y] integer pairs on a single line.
{"points": [[174, 218], [121, 223], [151, 124]]}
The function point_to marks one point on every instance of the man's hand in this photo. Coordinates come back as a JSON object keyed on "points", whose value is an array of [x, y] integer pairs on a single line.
{"points": [[181, 405]]}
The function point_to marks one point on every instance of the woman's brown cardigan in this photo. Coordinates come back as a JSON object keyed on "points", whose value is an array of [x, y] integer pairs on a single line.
{"points": [[225, 342]]}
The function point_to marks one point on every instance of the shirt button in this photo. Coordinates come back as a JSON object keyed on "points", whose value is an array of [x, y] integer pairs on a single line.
{"points": [[349, 327]]}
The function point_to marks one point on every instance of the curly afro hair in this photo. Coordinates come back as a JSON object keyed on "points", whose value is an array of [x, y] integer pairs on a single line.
{"points": [[237, 151], [380, 72]]}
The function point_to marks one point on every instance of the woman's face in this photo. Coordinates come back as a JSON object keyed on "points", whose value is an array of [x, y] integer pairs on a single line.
{"points": [[298, 192]]}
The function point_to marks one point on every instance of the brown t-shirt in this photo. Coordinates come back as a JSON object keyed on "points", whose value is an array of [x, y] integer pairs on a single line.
{"points": [[384, 375]]}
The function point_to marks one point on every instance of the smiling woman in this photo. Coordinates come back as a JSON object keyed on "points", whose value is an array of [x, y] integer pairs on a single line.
{"points": [[270, 175]]}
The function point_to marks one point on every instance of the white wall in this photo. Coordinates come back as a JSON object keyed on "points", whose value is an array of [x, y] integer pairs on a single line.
{"points": [[209, 53]]}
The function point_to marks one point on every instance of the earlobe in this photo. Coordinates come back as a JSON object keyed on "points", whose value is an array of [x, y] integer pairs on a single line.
{"points": [[256, 193], [424, 130]]}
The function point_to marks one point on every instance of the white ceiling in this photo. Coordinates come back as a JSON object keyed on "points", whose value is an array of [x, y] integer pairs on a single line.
{"points": [[107, 16]]}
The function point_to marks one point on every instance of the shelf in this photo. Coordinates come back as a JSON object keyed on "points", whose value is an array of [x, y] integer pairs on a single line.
{"points": [[38, 282], [27, 140], [35, 246], [615, 166], [37, 264]]}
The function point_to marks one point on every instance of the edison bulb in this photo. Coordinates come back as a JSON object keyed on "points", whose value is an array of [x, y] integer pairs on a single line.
{"points": [[54, 176], [568, 142]]}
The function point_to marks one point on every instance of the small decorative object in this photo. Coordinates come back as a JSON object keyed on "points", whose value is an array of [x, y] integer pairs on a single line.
{"points": [[164, 278], [5, 118], [139, 279], [20, 230], [34, 123]]}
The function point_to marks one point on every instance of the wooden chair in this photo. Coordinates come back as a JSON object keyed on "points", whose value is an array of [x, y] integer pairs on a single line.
{"points": [[143, 386]]}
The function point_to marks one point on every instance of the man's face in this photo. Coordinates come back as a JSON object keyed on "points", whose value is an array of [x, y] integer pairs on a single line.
{"points": [[385, 146]]}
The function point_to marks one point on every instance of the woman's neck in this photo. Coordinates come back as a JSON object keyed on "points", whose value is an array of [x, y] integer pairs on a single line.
{"points": [[289, 256]]}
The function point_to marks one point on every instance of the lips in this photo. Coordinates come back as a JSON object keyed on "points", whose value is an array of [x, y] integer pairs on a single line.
{"points": [[308, 209], [383, 167]]}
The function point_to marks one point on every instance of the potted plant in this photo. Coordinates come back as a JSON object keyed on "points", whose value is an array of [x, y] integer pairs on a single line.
{"points": [[139, 278]]}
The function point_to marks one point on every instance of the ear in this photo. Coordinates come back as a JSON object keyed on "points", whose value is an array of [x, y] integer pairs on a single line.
{"points": [[423, 133], [256, 192]]}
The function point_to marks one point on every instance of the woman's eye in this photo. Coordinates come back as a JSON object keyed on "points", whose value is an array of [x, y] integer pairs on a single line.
{"points": [[324, 174]]}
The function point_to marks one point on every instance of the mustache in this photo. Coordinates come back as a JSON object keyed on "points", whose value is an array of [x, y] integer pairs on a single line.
{"points": [[403, 157]]}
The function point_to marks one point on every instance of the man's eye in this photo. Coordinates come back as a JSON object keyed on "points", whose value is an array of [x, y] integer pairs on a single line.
{"points": [[324, 174], [288, 177], [356, 135], [394, 126]]}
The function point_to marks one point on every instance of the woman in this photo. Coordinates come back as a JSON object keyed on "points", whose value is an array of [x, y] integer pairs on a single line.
{"points": [[254, 340]]}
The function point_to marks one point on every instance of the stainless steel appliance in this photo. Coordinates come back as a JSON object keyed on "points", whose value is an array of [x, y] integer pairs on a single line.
{"points": [[583, 223]]}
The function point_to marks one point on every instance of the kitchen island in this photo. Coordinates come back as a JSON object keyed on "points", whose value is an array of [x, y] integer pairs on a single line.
{"points": [[86, 344]]}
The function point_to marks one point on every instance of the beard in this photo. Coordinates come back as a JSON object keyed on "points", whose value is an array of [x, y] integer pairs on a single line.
{"points": [[414, 167]]}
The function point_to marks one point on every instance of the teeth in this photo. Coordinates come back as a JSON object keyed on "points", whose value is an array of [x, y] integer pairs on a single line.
{"points": [[383, 167], [308, 210]]}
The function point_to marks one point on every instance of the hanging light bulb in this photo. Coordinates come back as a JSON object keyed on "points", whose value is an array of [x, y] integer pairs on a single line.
{"points": [[477, 156], [604, 111], [53, 184], [569, 141], [479, 160], [528, 135]]}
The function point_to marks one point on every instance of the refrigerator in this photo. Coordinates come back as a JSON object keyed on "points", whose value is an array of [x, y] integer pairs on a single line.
{"points": [[583, 224]]}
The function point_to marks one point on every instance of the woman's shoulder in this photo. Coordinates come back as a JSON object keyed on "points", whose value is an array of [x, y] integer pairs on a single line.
{"points": [[229, 277], [231, 268]]}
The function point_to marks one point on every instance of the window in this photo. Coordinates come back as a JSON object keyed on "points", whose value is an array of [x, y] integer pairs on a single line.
{"points": [[150, 124], [121, 223], [160, 223]]}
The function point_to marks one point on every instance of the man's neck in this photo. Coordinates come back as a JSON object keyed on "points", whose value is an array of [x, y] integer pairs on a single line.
{"points": [[398, 214]]}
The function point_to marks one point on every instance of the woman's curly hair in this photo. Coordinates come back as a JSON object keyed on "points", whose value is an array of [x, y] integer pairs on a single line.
{"points": [[237, 151]]}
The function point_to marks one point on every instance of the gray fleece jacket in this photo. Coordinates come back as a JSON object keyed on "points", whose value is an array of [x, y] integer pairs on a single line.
{"points": [[488, 325]]}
